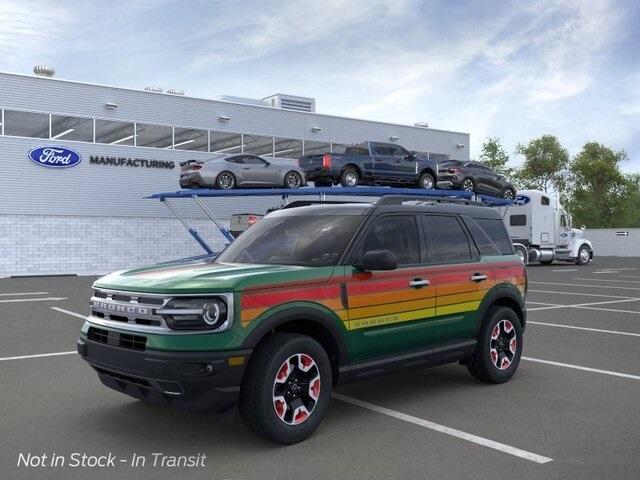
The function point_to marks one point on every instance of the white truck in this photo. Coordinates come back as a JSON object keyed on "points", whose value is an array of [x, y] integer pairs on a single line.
{"points": [[541, 230]]}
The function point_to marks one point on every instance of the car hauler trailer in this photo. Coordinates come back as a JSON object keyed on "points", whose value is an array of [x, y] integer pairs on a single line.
{"points": [[541, 230], [321, 193]]}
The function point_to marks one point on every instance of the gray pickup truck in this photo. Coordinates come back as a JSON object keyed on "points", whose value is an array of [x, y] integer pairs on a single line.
{"points": [[371, 163]]}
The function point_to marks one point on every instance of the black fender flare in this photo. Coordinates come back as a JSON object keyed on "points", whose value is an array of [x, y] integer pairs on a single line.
{"points": [[500, 294], [306, 314]]}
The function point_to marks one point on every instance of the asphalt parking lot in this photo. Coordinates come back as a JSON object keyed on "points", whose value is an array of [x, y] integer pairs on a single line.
{"points": [[571, 411]]}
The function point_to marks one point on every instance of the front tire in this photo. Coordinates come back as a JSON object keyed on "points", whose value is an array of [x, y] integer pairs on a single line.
{"points": [[509, 194], [225, 180], [426, 182], [499, 346], [286, 390], [584, 255]]}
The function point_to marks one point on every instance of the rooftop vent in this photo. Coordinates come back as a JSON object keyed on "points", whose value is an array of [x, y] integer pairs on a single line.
{"points": [[175, 91], [291, 102], [244, 100], [421, 124], [153, 88], [44, 71]]}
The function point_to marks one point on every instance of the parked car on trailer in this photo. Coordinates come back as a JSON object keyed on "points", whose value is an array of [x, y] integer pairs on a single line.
{"points": [[370, 163], [241, 170], [541, 230], [474, 177]]}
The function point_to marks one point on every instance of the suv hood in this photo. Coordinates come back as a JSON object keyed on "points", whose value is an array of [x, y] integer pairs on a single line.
{"points": [[206, 277]]}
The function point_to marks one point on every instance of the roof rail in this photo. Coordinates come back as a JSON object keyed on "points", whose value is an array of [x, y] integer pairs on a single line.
{"points": [[424, 199]]}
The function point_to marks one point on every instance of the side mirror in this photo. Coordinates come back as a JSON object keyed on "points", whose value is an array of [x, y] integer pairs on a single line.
{"points": [[410, 156], [583, 227], [379, 260], [267, 163]]}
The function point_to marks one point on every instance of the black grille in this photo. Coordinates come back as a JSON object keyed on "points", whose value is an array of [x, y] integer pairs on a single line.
{"points": [[133, 342], [99, 294], [151, 300], [126, 378], [98, 335]]}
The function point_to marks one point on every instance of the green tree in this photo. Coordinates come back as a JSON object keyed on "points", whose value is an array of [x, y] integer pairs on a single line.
{"points": [[494, 156], [545, 164], [600, 194]]}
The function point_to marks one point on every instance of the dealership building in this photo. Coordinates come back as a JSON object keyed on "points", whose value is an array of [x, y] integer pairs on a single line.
{"points": [[91, 217]]}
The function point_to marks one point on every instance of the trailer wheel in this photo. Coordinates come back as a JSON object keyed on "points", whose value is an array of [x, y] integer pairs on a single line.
{"points": [[584, 255], [426, 181]]}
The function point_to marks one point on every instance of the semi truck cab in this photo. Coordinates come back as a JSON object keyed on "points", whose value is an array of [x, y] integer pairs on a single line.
{"points": [[541, 230]]}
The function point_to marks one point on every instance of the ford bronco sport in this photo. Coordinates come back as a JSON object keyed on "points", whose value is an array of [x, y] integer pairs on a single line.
{"points": [[310, 298]]}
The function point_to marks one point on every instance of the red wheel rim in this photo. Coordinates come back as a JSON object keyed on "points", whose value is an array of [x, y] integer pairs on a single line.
{"points": [[296, 389], [503, 344]]}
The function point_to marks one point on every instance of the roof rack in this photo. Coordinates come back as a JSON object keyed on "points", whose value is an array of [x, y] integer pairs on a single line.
{"points": [[389, 196], [425, 200]]}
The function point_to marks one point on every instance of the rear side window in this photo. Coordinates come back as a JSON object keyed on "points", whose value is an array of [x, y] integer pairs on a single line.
{"points": [[357, 150], [494, 228], [398, 234], [518, 220], [447, 242]]}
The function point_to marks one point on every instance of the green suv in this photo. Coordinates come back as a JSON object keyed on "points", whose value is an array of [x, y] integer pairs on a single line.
{"points": [[310, 298]]}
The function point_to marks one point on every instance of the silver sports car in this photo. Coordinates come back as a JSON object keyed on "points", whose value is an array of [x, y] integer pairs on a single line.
{"points": [[241, 170]]}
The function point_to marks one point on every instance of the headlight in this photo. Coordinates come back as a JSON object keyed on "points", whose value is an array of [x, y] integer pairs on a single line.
{"points": [[197, 314]]}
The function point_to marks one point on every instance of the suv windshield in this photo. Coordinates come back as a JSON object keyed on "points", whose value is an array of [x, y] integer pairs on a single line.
{"points": [[315, 240]]}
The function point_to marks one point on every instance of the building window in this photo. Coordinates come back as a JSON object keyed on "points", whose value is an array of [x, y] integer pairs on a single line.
{"points": [[114, 133], [258, 145], [287, 148], [71, 128], [316, 148], [190, 139], [338, 148], [156, 136], [222, 142], [26, 124]]}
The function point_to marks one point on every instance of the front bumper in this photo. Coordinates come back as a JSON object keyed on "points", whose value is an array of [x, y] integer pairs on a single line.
{"points": [[201, 382]]}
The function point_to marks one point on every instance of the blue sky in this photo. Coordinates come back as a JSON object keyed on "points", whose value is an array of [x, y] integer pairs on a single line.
{"points": [[514, 70]]}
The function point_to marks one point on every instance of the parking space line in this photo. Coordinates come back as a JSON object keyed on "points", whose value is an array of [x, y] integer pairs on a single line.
{"points": [[580, 367], [69, 312], [585, 305], [609, 310], [597, 330], [629, 276], [39, 355], [577, 293], [565, 270], [485, 442], [540, 303], [588, 286], [23, 293], [607, 280], [47, 299]]}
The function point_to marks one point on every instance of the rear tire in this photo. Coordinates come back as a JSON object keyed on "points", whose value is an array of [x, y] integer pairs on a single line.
{"points": [[499, 346], [468, 185], [225, 180], [523, 253], [277, 393], [350, 177]]}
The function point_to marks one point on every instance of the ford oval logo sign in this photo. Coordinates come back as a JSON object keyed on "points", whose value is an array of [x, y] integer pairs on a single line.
{"points": [[55, 157], [521, 200]]}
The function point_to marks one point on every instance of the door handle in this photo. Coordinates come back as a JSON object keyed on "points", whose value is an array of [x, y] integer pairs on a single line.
{"points": [[478, 277], [418, 282], [247, 168]]}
